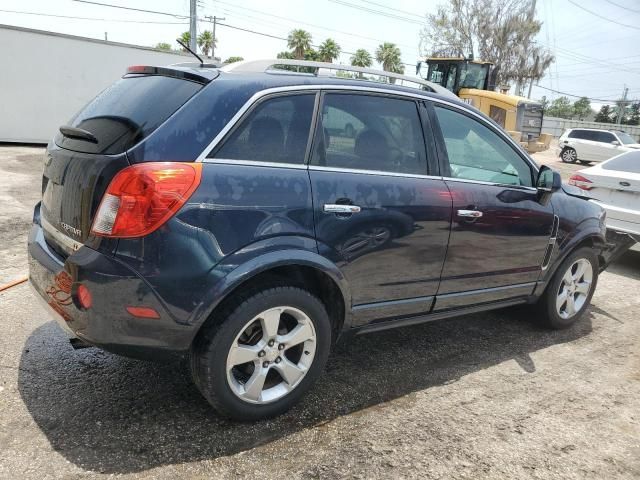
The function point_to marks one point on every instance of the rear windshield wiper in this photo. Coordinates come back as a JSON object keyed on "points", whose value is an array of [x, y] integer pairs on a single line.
{"points": [[78, 133]]}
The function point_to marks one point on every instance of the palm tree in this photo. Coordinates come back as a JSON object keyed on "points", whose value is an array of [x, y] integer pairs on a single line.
{"points": [[361, 58], [329, 50], [186, 39], [206, 41], [388, 54], [299, 41]]}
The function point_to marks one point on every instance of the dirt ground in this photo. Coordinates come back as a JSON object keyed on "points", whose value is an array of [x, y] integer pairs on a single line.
{"points": [[483, 396]]}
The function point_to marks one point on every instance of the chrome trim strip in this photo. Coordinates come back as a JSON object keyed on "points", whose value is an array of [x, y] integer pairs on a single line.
{"points": [[71, 245], [371, 172], [486, 290], [480, 182], [253, 163], [295, 88]]}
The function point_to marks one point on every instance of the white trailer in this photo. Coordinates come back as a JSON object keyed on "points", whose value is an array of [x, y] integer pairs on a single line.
{"points": [[46, 77]]}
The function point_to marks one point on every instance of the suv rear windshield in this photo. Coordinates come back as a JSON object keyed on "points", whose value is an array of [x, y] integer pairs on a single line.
{"points": [[126, 112]]}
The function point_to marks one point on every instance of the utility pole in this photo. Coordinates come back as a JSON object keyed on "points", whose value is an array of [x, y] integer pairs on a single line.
{"points": [[535, 72], [622, 105], [214, 20], [193, 41], [105, 37]]}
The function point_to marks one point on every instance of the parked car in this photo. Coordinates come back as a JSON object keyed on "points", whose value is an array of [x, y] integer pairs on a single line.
{"points": [[210, 213], [615, 185], [588, 145]]}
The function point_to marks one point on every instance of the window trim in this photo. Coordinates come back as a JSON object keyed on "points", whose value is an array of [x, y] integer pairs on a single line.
{"points": [[416, 103], [238, 123], [428, 98], [444, 156]]}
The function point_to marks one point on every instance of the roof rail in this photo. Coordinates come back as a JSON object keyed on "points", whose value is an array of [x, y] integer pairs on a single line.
{"points": [[269, 66]]}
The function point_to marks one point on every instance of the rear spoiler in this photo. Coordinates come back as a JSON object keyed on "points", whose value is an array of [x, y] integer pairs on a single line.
{"points": [[198, 75]]}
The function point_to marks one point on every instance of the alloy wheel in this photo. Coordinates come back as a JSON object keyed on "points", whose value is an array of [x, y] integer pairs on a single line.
{"points": [[574, 288], [569, 155], [271, 355]]}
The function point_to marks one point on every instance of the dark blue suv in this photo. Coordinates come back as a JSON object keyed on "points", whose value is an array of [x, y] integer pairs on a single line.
{"points": [[250, 218]]}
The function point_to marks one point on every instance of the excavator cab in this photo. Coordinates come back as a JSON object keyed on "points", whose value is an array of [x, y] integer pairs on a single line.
{"points": [[455, 74], [471, 81]]}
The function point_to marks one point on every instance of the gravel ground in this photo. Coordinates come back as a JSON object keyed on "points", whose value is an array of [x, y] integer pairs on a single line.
{"points": [[482, 396]]}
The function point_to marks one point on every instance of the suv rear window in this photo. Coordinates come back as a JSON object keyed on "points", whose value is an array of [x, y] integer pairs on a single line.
{"points": [[127, 112]]}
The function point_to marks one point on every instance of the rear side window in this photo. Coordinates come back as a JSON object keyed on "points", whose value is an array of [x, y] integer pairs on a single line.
{"points": [[629, 162], [367, 132], [578, 134], [127, 112], [277, 130]]}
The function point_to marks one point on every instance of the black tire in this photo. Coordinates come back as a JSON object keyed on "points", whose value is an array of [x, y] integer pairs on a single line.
{"points": [[548, 315], [211, 348], [569, 155]]}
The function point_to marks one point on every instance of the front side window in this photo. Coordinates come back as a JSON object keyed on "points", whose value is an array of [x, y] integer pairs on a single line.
{"points": [[277, 130], [625, 138], [604, 137], [367, 132], [478, 153]]}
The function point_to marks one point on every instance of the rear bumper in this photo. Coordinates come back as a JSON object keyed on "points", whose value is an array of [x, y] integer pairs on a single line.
{"points": [[113, 286]]}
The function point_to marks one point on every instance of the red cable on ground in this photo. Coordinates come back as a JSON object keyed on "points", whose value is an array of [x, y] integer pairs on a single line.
{"points": [[13, 284]]}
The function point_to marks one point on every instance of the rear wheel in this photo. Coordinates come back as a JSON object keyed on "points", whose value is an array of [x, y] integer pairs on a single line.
{"points": [[570, 291], [569, 155], [270, 349]]}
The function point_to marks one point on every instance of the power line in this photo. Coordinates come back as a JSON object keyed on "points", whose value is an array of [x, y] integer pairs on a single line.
{"points": [[603, 18], [378, 12], [576, 96], [391, 8], [91, 18], [623, 7], [134, 9]]}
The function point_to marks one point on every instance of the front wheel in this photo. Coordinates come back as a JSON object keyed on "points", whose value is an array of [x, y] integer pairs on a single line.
{"points": [[570, 291], [569, 155], [269, 350]]}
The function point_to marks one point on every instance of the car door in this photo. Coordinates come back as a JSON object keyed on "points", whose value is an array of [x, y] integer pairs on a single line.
{"points": [[584, 143], [605, 149], [500, 231], [378, 213]]}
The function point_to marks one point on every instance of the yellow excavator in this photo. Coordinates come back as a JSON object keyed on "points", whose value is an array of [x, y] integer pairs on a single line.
{"points": [[469, 79]]}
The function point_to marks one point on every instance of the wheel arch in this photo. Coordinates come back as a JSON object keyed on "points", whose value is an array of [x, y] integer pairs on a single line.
{"points": [[296, 267]]}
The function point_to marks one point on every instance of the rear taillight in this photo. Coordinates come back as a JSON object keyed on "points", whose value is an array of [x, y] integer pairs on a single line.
{"points": [[142, 197], [580, 182]]}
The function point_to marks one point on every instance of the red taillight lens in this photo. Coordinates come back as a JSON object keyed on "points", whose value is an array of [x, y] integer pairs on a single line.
{"points": [[143, 312], [580, 182], [84, 297], [142, 197]]}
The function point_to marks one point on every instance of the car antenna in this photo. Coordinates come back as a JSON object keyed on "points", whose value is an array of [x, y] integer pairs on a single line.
{"points": [[190, 51]]}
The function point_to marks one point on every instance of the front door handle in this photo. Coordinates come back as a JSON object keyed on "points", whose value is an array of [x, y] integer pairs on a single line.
{"points": [[338, 208], [470, 213]]}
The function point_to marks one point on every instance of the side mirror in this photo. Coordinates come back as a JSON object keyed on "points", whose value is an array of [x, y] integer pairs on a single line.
{"points": [[615, 143], [548, 181]]}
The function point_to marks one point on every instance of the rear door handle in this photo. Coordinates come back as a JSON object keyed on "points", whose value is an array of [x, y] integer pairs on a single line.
{"points": [[337, 208], [470, 213]]}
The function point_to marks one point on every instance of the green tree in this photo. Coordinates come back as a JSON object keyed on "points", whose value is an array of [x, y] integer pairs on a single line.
{"points": [[162, 46], [206, 41], [299, 41], [234, 59], [634, 114], [499, 31], [544, 102], [361, 58], [388, 54], [186, 39], [561, 107], [604, 115], [329, 50], [582, 108]]}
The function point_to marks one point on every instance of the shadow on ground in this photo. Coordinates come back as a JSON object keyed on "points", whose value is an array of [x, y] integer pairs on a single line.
{"points": [[109, 414]]}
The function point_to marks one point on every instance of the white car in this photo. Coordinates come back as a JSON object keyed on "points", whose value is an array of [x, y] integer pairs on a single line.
{"points": [[615, 185], [586, 145]]}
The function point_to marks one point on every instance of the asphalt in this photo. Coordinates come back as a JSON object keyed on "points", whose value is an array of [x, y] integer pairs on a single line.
{"points": [[483, 396]]}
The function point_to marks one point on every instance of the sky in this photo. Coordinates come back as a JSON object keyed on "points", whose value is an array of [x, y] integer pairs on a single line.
{"points": [[595, 42]]}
